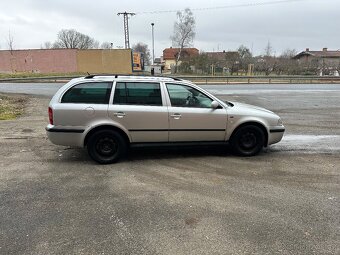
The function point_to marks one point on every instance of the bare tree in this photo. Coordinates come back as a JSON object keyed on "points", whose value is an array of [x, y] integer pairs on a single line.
{"points": [[245, 57], [72, 39], [286, 63], [289, 53], [144, 49], [232, 61], [46, 45], [96, 45], [200, 62], [244, 52], [10, 42], [106, 45], [269, 63], [184, 32]]}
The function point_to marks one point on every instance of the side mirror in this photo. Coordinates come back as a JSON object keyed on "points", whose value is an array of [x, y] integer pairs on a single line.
{"points": [[214, 104]]}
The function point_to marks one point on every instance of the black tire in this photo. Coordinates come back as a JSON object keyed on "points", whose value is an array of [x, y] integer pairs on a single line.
{"points": [[106, 146], [247, 140]]}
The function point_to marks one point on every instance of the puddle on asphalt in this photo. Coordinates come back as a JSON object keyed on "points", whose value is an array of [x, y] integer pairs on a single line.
{"points": [[309, 144]]}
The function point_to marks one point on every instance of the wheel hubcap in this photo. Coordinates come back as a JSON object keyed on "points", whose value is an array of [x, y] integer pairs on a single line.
{"points": [[248, 140], [106, 146]]}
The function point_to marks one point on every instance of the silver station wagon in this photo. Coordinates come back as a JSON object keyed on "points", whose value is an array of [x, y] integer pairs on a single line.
{"points": [[109, 114]]}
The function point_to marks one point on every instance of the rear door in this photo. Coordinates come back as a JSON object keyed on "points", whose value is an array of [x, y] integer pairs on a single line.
{"points": [[191, 117], [138, 106]]}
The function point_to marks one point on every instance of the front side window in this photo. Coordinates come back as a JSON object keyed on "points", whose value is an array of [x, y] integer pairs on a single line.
{"points": [[137, 93], [88, 93], [186, 96]]}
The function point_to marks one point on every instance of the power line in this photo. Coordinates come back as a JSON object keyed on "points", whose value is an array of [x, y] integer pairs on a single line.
{"points": [[225, 6]]}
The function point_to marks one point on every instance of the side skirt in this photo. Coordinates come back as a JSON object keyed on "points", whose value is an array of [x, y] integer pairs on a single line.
{"points": [[174, 144]]}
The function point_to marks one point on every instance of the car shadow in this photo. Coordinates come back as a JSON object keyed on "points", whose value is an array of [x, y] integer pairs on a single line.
{"points": [[152, 153], [176, 152]]}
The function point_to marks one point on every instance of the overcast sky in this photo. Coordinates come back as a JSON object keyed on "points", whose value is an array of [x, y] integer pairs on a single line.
{"points": [[295, 25]]}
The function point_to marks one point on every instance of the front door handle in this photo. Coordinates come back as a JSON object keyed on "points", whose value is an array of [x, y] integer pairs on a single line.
{"points": [[119, 114], [176, 116]]}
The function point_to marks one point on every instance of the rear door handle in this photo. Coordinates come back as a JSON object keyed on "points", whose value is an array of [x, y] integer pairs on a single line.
{"points": [[176, 116], [119, 114]]}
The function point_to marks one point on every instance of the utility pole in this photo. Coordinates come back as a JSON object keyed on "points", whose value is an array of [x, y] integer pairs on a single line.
{"points": [[126, 27], [153, 44]]}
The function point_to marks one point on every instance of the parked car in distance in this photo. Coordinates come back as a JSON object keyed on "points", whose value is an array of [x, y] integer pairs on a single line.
{"points": [[109, 114]]}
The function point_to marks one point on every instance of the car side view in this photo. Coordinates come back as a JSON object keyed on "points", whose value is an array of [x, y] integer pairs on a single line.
{"points": [[109, 114]]}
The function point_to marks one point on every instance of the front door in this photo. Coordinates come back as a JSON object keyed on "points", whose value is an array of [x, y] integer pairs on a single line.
{"points": [[191, 117]]}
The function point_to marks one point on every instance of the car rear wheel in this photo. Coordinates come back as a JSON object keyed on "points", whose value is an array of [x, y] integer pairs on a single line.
{"points": [[248, 140], [106, 146]]}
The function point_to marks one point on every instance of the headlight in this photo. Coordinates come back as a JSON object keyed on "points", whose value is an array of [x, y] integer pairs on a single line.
{"points": [[279, 122]]}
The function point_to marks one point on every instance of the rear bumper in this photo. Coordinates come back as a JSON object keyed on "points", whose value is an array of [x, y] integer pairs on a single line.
{"points": [[65, 136]]}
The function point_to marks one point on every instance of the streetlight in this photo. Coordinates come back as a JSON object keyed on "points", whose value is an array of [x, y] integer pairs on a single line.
{"points": [[153, 43]]}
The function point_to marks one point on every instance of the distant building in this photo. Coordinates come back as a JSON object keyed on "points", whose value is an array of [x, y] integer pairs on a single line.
{"points": [[158, 66], [325, 61], [224, 59], [157, 69], [159, 61], [170, 55], [66, 61], [223, 55]]}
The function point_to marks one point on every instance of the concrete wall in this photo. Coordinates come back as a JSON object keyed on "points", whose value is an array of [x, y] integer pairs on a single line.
{"points": [[39, 61], [66, 61], [105, 61]]}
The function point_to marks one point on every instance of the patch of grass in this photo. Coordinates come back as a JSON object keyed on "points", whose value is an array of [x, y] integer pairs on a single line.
{"points": [[11, 107]]}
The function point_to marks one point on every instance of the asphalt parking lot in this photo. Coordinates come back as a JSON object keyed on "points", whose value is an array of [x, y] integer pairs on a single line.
{"points": [[55, 200]]}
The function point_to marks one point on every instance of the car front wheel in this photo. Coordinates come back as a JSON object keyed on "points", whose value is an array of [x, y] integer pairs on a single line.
{"points": [[106, 146], [248, 140]]}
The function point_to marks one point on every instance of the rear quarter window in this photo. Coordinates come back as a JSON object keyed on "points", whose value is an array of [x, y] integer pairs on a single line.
{"points": [[90, 93]]}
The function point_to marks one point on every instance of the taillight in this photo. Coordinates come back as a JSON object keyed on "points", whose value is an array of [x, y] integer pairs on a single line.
{"points": [[50, 115]]}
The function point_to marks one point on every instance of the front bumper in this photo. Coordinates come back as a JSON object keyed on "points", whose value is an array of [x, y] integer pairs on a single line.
{"points": [[275, 134]]}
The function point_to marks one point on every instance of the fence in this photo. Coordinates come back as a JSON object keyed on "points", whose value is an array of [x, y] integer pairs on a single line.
{"points": [[261, 79]]}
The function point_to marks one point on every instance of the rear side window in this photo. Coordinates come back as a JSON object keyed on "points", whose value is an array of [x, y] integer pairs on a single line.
{"points": [[137, 93], [90, 93]]}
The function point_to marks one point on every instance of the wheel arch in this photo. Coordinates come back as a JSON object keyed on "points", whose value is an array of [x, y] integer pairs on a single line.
{"points": [[106, 127], [253, 123]]}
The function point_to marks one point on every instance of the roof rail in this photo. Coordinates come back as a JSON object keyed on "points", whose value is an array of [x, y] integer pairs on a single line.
{"points": [[90, 76], [106, 74], [176, 78]]}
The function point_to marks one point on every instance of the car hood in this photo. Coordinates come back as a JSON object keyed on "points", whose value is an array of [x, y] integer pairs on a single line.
{"points": [[250, 107]]}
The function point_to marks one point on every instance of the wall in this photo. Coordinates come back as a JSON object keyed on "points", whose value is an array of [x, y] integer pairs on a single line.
{"points": [[117, 61], [38, 61], [105, 61]]}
